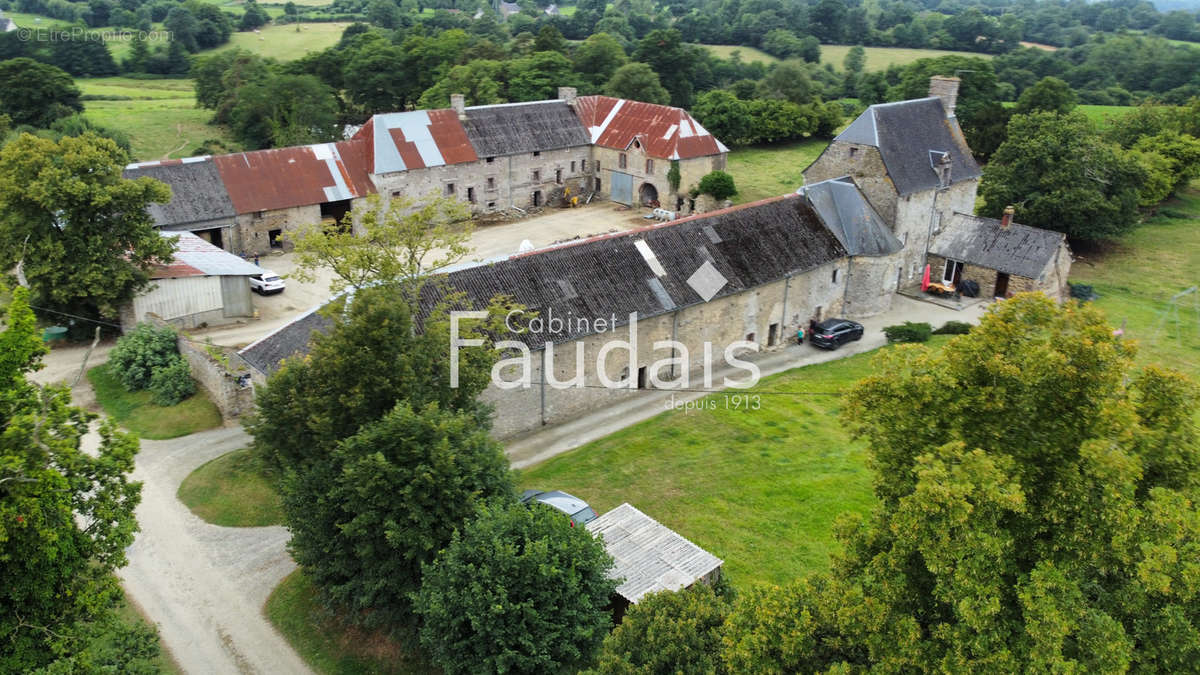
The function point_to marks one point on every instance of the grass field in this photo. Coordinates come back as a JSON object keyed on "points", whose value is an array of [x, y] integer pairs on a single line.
{"points": [[160, 116], [1137, 276], [1101, 114], [137, 413], [767, 171], [749, 54], [231, 491], [287, 42], [879, 58], [327, 644]]}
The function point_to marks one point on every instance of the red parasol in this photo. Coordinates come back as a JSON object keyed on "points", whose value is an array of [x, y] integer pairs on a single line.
{"points": [[925, 280]]}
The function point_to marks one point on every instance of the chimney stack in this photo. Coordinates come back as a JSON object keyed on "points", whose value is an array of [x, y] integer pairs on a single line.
{"points": [[1006, 219], [567, 94], [459, 103], [945, 88]]}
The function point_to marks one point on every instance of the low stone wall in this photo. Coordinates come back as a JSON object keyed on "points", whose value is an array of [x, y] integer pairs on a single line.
{"points": [[223, 374]]}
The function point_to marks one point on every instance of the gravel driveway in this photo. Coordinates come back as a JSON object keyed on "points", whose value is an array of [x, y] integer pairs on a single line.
{"points": [[204, 585]]}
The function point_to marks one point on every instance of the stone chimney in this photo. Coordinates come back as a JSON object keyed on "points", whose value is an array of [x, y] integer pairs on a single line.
{"points": [[567, 94], [1006, 219], [459, 103], [945, 88]]}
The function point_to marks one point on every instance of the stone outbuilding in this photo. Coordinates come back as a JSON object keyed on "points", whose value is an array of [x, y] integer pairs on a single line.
{"points": [[1003, 257]]}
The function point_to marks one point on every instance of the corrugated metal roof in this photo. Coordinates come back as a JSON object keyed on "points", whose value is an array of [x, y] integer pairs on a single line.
{"points": [[648, 556], [415, 140], [195, 257], [662, 131], [265, 180]]}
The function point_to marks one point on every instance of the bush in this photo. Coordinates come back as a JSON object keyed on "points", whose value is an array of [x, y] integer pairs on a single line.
{"points": [[1082, 292], [140, 353], [908, 332], [954, 328], [718, 184], [172, 383]]}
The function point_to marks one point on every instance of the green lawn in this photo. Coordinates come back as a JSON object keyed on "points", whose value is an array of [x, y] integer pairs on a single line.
{"points": [[759, 489], [771, 170], [1102, 114], [879, 58], [160, 116], [1137, 276], [287, 42], [137, 413], [749, 54], [327, 644], [231, 491]]}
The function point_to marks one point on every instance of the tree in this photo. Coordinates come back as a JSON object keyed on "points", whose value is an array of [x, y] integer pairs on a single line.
{"points": [[726, 116], [183, 27], [478, 81], [81, 229], [36, 93], [1050, 94], [1181, 150], [66, 516], [517, 589], [976, 90], [637, 82], [789, 81], [383, 13], [1063, 177], [674, 62], [718, 184], [284, 110], [1053, 533], [549, 39], [856, 60], [397, 243], [537, 77], [254, 17], [371, 78], [598, 57], [667, 632]]}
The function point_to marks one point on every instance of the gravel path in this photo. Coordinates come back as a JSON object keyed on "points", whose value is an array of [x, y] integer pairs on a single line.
{"points": [[204, 585]]}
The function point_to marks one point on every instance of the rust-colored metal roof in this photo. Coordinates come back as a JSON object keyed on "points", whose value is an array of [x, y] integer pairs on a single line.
{"points": [[195, 257], [285, 177], [662, 131], [417, 139]]}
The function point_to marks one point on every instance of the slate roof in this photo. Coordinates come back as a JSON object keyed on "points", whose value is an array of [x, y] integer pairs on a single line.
{"points": [[292, 339], [414, 140], [647, 555], [844, 209], [195, 257], [1017, 249], [644, 271], [197, 192], [663, 131], [911, 136], [516, 128]]}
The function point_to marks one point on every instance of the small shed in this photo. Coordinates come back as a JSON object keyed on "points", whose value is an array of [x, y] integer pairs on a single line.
{"points": [[650, 556], [202, 285]]}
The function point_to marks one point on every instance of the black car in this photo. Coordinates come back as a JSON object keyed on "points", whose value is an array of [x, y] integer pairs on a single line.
{"points": [[833, 333]]}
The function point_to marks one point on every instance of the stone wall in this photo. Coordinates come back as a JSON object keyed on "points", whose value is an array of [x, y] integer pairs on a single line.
{"points": [[690, 173], [227, 379], [253, 229], [921, 214], [870, 283], [865, 165]]}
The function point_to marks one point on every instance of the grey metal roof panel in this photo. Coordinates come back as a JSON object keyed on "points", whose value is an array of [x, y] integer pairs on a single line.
{"points": [[844, 209], [514, 128], [197, 191], [1017, 249]]}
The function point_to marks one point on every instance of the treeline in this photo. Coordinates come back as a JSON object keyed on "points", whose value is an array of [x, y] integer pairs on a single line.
{"points": [[372, 70]]}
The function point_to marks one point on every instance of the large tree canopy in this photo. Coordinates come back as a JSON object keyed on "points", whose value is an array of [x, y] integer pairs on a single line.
{"points": [[1062, 176], [1035, 513], [66, 516], [81, 230], [36, 93]]}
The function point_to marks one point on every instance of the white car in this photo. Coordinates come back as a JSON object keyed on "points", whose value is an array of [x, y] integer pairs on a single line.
{"points": [[266, 283]]}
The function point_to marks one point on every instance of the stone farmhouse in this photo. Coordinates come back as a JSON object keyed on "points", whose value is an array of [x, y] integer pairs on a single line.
{"points": [[892, 194], [496, 157]]}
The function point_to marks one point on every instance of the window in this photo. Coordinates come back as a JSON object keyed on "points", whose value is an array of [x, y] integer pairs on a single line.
{"points": [[491, 182], [558, 176], [952, 271], [537, 175], [572, 166], [449, 189], [397, 193], [537, 153], [622, 161], [853, 152], [490, 160], [491, 205], [582, 165], [749, 337], [259, 214], [835, 276], [471, 195], [649, 166], [597, 166]]}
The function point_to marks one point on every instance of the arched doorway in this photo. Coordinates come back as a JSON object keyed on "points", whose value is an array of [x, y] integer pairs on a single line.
{"points": [[648, 195]]}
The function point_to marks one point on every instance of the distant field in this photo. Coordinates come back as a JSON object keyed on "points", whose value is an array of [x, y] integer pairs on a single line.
{"points": [[879, 58], [768, 171], [749, 54], [288, 42], [160, 116], [1101, 114]]}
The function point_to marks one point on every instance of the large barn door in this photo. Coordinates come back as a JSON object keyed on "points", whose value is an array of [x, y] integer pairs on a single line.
{"points": [[622, 188]]}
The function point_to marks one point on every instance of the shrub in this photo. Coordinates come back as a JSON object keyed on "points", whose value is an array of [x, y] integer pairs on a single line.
{"points": [[1082, 292], [954, 328], [908, 332], [140, 353], [718, 184], [172, 383]]}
